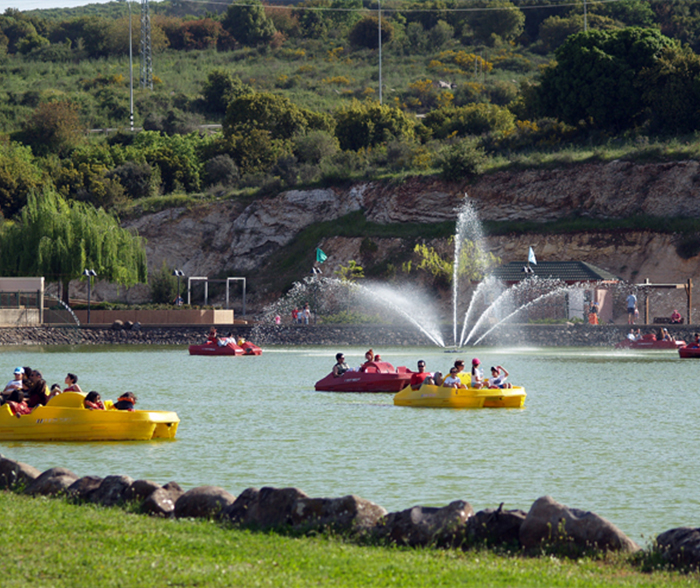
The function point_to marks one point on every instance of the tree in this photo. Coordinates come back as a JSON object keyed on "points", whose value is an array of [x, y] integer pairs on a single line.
{"points": [[53, 127], [58, 240], [471, 119], [596, 77], [19, 175], [365, 124], [502, 20], [220, 88], [366, 32], [248, 23], [350, 272]]}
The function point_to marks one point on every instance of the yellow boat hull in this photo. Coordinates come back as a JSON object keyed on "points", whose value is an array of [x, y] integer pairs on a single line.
{"points": [[65, 419], [441, 397]]}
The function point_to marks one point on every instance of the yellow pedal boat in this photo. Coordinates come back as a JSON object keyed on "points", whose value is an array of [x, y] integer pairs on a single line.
{"points": [[441, 397], [64, 418]]}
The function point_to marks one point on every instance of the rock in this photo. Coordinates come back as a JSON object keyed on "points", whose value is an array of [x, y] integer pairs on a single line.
{"points": [[203, 502], [347, 514], [112, 490], [174, 489], [52, 481], [83, 488], [495, 527], [14, 474], [140, 490], [680, 547], [551, 523], [265, 508], [159, 503], [422, 525]]}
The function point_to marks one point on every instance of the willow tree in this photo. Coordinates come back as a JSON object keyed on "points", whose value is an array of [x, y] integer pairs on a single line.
{"points": [[58, 240]]}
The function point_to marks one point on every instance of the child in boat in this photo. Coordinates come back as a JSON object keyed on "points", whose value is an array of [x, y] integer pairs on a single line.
{"points": [[17, 404], [498, 378], [477, 376], [55, 391], [126, 401], [13, 385], [71, 382], [453, 380], [93, 401]]}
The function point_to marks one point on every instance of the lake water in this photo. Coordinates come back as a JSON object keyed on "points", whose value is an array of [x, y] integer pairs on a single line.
{"points": [[607, 431]]}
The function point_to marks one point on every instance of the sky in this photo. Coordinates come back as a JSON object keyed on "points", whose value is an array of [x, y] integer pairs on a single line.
{"points": [[38, 4]]}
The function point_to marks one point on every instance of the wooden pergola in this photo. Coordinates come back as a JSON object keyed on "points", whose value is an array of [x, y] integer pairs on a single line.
{"points": [[688, 287]]}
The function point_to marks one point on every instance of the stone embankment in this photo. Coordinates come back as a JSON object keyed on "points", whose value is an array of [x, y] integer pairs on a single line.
{"points": [[547, 526], [568, 335]]}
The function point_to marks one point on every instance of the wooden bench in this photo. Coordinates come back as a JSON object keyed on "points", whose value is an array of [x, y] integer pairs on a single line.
{"points": [[665, 320]]}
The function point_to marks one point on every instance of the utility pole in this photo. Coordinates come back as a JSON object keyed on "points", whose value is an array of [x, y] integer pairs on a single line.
{"points": [[131, 73], [585, 17], [146, 54], [379, 19]]}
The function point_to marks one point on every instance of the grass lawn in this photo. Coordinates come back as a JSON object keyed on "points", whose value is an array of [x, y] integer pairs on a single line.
{"points": [[48, 542]]}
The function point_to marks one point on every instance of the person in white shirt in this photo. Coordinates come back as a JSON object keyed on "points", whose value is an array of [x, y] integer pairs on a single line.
{"points": [[498, 378], [453, 381]]}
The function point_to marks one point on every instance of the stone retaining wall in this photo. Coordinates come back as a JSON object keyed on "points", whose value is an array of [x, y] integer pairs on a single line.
{"points": [[578, 335]]}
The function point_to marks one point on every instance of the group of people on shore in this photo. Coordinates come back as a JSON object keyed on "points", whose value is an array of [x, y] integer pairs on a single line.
{"points": [[457, 378], [28, 389]]}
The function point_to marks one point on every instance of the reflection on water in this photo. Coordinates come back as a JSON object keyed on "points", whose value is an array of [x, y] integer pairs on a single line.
{"points": [[611, 432]]}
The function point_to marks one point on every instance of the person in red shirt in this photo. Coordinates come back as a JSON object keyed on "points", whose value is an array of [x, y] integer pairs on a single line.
{"points": [[421, 376], [93, 401], [17, 404]]}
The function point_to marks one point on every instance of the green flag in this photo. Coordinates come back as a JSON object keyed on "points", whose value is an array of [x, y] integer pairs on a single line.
{"points": [[320, 256]]}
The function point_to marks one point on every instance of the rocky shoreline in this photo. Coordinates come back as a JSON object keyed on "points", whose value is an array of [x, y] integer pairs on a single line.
{"points": [[566, 335], [548, 526]]}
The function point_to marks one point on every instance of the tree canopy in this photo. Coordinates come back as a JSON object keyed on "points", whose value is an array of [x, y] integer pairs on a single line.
{"points": [[58, 240]]}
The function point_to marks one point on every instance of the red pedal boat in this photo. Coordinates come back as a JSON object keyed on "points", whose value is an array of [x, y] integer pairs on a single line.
{"points": [[689, 351], [373, 376], [649, 341], [213, 348]]}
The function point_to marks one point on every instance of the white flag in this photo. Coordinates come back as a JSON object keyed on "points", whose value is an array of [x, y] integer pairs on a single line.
{"points": [[531, 256]]}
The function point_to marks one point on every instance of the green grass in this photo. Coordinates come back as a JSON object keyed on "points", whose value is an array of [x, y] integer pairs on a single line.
{"points": [[49, 542]]}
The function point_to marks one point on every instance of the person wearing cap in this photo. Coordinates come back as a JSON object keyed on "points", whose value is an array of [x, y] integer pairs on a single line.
{"points": [[13, 385], [477, 376], [498, 378], [340, 366]]}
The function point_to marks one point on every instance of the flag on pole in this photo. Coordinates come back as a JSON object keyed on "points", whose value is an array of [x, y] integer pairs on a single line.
{"points": [[320, 256], [531, 256]]}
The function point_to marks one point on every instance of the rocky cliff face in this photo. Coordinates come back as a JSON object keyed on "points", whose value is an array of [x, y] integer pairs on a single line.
{"points": [[232, 238]]}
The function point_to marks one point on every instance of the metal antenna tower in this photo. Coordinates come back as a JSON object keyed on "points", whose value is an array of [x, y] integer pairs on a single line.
{"points": [[146, 54]]}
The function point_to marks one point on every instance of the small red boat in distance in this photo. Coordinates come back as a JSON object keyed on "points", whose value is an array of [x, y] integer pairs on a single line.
{"points": [[213, 348], [649, 341], [372, 376]]}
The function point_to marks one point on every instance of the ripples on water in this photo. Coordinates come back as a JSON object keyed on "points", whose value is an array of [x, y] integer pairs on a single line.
{"points": [[611, 432]]}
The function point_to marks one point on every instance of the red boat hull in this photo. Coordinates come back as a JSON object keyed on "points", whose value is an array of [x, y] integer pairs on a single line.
{"points": [[372, 377], [229, 349], [649, 344], [689, 351]]}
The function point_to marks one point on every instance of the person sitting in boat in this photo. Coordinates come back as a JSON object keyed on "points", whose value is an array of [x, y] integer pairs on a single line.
{"points": [[55, 391], [421, 376], [17, 404], [498, 378], [466, 378], [93, 401], [696, 339], [15, 384], [240, 341], [666, 336], [126, 401], [340, 366], [212, 337], [38, 392], [477, 375], [676, 317], [71, 382], [224, 341], [631, 335], [453, 380]]}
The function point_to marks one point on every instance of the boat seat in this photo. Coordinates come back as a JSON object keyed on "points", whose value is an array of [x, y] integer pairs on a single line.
{"points": [[68, 399]]}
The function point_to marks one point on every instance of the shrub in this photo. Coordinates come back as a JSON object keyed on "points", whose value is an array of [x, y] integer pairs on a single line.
{"points": [[314, 146], [365, 124], [220, 169], [472, 119], [136, 178], [163, 285], [462, 161]]}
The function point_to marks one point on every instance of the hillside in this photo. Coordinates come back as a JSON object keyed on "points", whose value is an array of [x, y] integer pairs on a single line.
{"points": [[640, 211]]}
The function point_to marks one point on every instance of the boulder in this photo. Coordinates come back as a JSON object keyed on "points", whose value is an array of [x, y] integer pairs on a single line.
{"points": [[265, 508], [83, 488], [203, 502], [573, 530], [174, 489], [112, 490], [159, 503], [15, 474], [140, 490], [349, 513], [495, 527], [422, 525], [52, 481], [680, 547]]}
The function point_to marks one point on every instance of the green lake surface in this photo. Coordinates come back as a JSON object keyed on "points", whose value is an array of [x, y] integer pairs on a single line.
{"points": [[613, 432]]}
